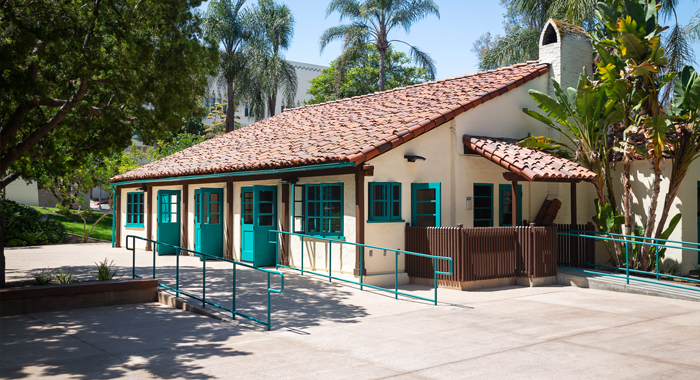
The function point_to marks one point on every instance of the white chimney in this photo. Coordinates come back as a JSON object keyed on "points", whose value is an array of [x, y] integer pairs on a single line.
{"points": [[567, 48]]}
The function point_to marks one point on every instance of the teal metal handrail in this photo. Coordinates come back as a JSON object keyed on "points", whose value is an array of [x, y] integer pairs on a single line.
{"points": [[204, 257], [631, 239], [330, 276]]}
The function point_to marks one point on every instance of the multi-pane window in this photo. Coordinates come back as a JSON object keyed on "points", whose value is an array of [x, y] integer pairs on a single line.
{"points": [[483, 205], [425, 204], [213, 104], [134, 209], [505, 193], [324, 209], [384, 201], [299, 207]]}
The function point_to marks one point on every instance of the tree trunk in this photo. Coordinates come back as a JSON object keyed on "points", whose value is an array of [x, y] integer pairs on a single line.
{"points": [[231, 108], [651, 218], [382, 56], [627, 207], [271, 103]]}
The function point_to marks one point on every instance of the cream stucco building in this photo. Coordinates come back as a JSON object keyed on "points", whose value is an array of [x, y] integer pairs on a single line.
{"points": [[358, 170]]}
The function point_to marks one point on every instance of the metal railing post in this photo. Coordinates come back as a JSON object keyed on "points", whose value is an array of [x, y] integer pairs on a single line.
{"points": [[627, 266], [204, 282], [233, 307], [330, 261], [396, 275], [302, 255], [177, 272], [154, 260], [435, 277], [269, 323], [362, 265], [133, 255], [657, 262]]}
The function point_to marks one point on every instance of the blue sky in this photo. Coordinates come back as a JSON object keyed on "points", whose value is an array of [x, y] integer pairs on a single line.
{"points": [[448, 40]]}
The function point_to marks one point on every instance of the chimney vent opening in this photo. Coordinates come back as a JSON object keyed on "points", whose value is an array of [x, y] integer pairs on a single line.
{"points": [[550, 35]]}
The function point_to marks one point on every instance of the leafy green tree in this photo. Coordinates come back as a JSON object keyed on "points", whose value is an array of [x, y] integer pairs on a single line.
{"points": [[230, 25], [82, 77], [360, 76], [371, 22]]}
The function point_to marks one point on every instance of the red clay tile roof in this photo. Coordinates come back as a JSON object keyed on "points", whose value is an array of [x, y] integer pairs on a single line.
{"points": [[532, 164], [348, 130]]}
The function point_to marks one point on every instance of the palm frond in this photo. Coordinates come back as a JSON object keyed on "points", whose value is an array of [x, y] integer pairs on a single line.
{"points": [[411, 12], [519, 46], [422, 59], [350, 34], [347, 9]]}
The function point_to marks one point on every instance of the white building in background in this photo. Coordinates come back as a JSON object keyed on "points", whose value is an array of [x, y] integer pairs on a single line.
{"points": [[305, 72]]}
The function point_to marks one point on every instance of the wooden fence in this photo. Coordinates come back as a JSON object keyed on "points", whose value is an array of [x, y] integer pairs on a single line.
{"points": [[483, 253], [575, 252]]}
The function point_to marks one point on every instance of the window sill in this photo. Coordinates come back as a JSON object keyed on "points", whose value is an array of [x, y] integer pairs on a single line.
{"points": [[134, 226], [386, 221]]}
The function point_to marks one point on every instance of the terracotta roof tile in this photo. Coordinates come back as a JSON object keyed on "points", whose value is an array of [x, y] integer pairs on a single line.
{"points": [[348, 130], [530, 163]]}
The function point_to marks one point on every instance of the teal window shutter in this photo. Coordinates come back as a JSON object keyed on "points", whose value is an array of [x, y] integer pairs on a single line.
{"points": [[505, 201], [134, 209], [426, 204], [324, 209], [483, 205], [384, 201]]}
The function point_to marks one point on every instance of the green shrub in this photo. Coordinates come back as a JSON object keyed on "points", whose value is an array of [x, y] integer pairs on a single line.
{"points": [[24, 226], [106, 271], [44, 277], [65, 276]]}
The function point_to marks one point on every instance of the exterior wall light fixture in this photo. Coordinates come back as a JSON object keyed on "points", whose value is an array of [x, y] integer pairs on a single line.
{"points": [[413, 158], [289, 181]]}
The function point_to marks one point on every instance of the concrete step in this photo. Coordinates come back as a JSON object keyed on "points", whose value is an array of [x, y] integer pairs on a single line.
{"points": [[594, 281]]}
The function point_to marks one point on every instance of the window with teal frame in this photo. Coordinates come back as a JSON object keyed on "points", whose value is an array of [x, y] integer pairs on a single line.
{"points": [[425, 204], [385, 202], [324, 209], [134, 209], [483, 205], [505, 201]]}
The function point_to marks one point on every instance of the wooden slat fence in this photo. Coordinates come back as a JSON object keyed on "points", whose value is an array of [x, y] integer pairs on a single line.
{"points": [[574, 251], [483, 253]]}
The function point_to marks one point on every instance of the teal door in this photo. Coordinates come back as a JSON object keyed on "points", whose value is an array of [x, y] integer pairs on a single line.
{"points": [[505, 195], [168, 220], [697, 238], [258, 218], [208, 221]]}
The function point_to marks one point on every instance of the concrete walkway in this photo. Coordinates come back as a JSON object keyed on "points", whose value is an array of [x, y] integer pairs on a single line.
{"points": [[336, 331]]}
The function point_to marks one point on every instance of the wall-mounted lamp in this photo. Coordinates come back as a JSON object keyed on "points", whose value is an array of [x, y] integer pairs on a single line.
{"points": [[413, 158], [142, 188], [289, 181]]}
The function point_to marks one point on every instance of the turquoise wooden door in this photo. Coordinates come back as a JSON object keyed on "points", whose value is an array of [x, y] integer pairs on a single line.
{"points": [[168, 220], [505, 196], [697, 238], [247, 229], [208, 221], [258, 218]]}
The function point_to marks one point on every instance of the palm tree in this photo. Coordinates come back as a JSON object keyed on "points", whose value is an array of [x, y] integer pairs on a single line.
{"points": [[273, 73], [372, 21], [228, 24]]}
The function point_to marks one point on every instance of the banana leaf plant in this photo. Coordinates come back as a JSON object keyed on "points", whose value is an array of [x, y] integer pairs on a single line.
{"points": [[630, 65]]}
